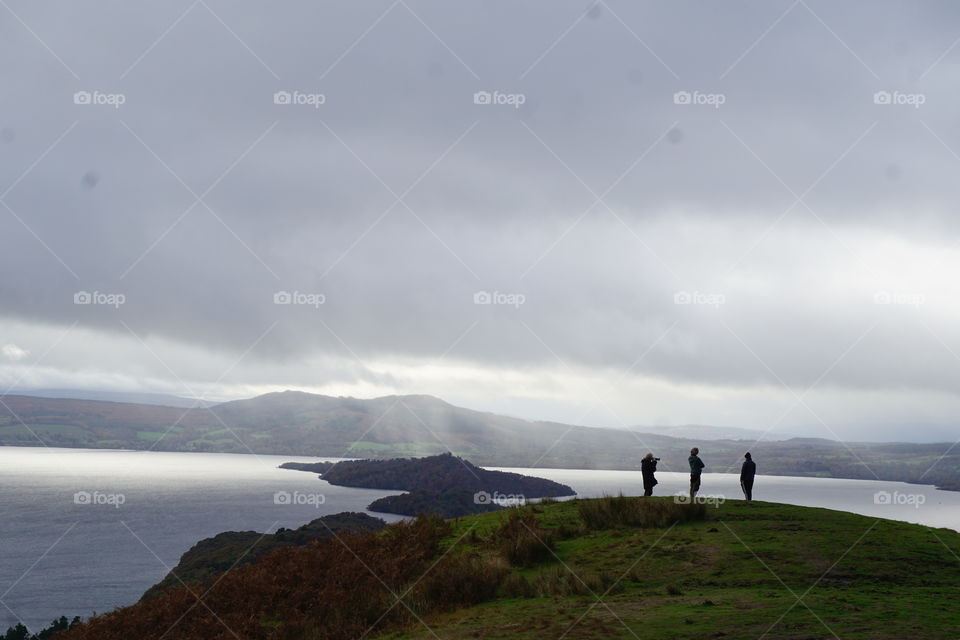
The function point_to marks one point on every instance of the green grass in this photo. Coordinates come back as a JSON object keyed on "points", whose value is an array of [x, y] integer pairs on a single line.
{"points": [[738, 574]]}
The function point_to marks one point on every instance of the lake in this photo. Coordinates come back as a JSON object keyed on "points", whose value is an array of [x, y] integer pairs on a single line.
{"points": [[86, 531]]}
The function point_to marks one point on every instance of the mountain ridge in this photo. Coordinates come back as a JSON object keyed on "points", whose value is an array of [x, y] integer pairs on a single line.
{"points": [[303, 424]]}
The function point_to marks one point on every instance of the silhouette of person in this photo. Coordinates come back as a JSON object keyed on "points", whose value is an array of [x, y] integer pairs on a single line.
{"points": [[648, 466], [747, 472], [696, 466]]}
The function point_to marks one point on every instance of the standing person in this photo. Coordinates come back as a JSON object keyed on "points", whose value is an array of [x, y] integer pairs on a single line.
{"points": [[696, 466], [747, 471], [648, 466]]}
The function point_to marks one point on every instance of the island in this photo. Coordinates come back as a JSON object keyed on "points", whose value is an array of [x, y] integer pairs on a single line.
{"points": [[444, 485]]}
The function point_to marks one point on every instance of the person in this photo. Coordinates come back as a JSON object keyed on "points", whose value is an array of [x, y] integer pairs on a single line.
{"points": [[747, 471], [696, 466], [648, 466]]}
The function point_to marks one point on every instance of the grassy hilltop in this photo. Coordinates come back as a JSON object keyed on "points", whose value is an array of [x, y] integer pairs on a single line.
{"points": [[736, 574], [601, 568]]}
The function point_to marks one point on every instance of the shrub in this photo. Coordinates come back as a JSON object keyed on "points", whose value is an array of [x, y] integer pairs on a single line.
{"points": [[561, 581], [461, 581], [517, 586], [522, 541], [347, 584], [610, 512]]}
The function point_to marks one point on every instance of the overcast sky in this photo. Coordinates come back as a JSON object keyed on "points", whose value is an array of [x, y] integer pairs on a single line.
{"points": [[717, 213]]}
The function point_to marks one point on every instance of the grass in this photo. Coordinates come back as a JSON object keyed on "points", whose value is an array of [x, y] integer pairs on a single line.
{"points": [[614, 567], [619, 511], [736, 573]]}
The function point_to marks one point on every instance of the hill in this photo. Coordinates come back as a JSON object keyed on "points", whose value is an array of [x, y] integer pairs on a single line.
{"points": [[132, 397], [305, 424], [223, 551], [582, 569], [449, 503]]}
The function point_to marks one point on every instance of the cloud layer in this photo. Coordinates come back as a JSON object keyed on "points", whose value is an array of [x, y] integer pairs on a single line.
{"points": [[613, 213]]}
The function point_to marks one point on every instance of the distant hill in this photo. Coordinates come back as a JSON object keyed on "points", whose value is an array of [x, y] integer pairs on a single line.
{"points": [[706, 432], [132, 397], [303, 424], [920, 432]]}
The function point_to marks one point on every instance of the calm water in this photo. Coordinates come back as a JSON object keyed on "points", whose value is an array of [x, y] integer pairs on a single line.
{"points": [[63, 558], [139, 511]]}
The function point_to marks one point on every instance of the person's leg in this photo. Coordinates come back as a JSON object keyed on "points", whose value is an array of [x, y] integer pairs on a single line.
{"points": [[748, 489], [648, 491]]}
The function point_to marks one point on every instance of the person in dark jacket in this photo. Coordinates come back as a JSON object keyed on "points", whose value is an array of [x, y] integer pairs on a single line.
{"points": [[747, 471], [696, 466], [648, 466]]}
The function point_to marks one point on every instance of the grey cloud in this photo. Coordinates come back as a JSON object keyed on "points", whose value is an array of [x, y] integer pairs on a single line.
{"points": [[304, 209]]}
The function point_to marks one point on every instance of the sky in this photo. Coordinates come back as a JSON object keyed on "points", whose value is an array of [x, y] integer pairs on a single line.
{"points": [[611, 213]]}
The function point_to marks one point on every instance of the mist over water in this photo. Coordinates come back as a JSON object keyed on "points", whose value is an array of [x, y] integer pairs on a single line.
{"points": [[86, 531]]}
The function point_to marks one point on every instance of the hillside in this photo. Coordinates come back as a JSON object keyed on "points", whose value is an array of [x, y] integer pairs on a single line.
{"points": [[450, 503], [131, 397], [582, 569], [215, 555], [305, 424]]}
